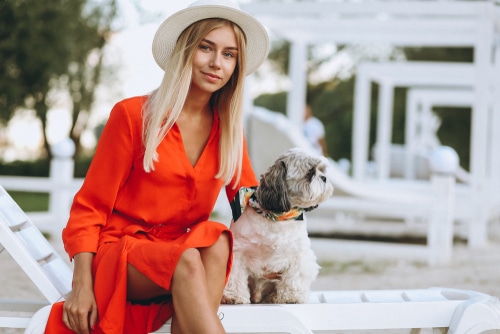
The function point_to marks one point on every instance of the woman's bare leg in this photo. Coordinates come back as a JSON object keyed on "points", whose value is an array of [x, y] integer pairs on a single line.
{"points": [[197, 284], [140, 287], [193, 307], [215, 260]]}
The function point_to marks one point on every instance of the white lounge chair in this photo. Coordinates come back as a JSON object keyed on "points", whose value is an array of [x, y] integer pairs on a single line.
{"points": [[38, 259], [459, 310]]}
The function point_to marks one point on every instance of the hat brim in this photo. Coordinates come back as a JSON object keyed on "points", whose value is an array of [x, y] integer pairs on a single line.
{"points": [[169, 31]]}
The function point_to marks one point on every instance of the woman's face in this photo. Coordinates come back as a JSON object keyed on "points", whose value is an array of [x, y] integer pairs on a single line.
{"points": [[215, 60]]}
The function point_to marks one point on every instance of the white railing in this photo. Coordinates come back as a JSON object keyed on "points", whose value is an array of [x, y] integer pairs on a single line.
{"points": [[61, 186], [437, 201]]}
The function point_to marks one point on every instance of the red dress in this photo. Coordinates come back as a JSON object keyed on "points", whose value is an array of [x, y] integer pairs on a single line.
{"points": [[124, 214]]}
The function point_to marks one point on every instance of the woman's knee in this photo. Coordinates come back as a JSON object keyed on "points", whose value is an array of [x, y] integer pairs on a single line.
{"points": [[219, 250], [189, 264], [224, 243]]}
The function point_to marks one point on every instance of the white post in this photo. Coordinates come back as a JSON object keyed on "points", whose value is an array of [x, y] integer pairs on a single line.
{"points": [[361, 125], [61, 175], [384, 129], [478, 224], [297, 70], [495, 122], [444, 164], [412, 105]]}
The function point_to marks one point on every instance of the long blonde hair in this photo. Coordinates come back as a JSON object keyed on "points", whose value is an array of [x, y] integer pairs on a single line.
{"points": [[165, 103]]}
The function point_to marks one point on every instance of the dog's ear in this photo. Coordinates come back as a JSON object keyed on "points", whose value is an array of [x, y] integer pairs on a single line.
{"points": [[272, 193]]}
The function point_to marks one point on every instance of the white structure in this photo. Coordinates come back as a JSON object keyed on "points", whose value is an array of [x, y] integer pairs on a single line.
{"points": [[433, 202], [61, 186], [472, 24], [479, 199], [389, 76], [419, 105]]}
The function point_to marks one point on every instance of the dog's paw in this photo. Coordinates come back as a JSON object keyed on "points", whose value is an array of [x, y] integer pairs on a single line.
{"points": [[234, 300], [288, 297]]}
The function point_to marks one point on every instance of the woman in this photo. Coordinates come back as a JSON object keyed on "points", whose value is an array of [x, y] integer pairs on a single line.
{"points": [[139, 233]]}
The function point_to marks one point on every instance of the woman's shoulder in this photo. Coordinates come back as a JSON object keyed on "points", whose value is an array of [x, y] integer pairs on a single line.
{"points": [[133, 103], [130, 107], [128, 113]]}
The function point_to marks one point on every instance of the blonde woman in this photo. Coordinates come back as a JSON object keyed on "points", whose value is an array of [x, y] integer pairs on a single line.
{"points": [[139, 233]]}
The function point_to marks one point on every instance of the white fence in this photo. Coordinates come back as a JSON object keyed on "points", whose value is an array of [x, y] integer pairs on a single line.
{"points": [[61, 186]]}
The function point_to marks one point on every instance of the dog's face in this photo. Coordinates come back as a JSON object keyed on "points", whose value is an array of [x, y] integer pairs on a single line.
{"points": [[297, 179]]}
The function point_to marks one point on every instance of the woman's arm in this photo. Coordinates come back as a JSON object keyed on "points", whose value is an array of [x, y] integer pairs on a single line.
{"points": [[108, 172], [80, 308]]}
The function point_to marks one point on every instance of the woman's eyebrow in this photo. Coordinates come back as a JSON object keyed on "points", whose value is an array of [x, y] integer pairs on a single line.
{"points": [[212, 43]]}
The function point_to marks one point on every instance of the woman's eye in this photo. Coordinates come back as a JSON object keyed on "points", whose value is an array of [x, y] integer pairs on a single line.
{"points": [[205, 47], [228, 54]]}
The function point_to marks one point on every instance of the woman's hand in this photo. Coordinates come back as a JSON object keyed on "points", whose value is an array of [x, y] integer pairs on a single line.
{"points": [[80, 308]]}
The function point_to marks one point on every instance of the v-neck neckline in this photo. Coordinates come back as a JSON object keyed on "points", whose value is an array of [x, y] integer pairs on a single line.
{"points": [[213, 131]]}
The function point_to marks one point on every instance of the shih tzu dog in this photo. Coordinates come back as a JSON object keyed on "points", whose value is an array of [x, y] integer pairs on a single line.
{"points": [[273, 261]]}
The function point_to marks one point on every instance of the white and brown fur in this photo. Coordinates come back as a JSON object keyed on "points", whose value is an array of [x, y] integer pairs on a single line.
{"points": [[273, 260]]}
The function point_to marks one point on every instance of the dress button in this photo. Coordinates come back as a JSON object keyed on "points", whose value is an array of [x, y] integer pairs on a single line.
{"points": [[187, 230]]}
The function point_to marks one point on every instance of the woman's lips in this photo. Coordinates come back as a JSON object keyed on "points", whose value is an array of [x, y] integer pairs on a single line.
{"points": [[211, 77]]}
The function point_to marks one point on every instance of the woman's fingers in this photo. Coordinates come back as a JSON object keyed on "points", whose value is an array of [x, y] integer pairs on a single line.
{"points": [[93, 317], [80, 318]]}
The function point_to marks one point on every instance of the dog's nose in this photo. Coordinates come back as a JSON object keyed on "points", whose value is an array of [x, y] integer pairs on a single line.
{"points": [[323, 178]]}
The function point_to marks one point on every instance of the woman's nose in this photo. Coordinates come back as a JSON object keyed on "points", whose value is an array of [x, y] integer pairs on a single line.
{"points": [[215, 61]]}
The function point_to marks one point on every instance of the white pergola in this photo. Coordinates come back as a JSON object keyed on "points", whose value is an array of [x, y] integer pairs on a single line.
{"points": [[474, 24], [389, 75], [419, 104]]}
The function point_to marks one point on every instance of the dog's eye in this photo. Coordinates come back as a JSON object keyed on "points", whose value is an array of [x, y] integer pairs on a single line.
{"points": [[310, 174]]}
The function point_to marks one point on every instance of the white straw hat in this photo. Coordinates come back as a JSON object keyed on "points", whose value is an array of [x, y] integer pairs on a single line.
{"points": [[256, 35]]}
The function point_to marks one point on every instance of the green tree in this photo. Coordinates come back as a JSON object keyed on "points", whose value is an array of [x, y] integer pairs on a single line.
{"points": [[34, 50], [46, 46], [86, 68]]}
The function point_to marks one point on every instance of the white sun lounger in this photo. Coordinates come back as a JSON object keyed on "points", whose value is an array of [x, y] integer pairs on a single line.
{"points": [[459, 310]]}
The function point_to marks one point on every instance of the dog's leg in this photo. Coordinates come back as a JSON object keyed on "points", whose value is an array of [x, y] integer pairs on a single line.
{"points": [[259, 289], [236, 290], [287, 293], [294, 286]]}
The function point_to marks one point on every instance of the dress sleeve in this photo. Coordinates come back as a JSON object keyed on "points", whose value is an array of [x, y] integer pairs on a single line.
{"points": [[109, 169]]}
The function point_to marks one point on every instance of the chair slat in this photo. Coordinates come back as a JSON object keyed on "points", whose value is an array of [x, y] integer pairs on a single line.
{"points": [[36, 243], [382, 296], [424, 295], [59, 274], [14, 215]]}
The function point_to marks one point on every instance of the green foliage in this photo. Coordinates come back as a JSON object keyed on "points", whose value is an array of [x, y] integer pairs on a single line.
{"points": [[87, 69], [52, 45], [274, 102], [332, 103], [82, 165], [41, 167], [440, 54], [455, 131], [279, 55], [31, 201], [35, 48]]}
